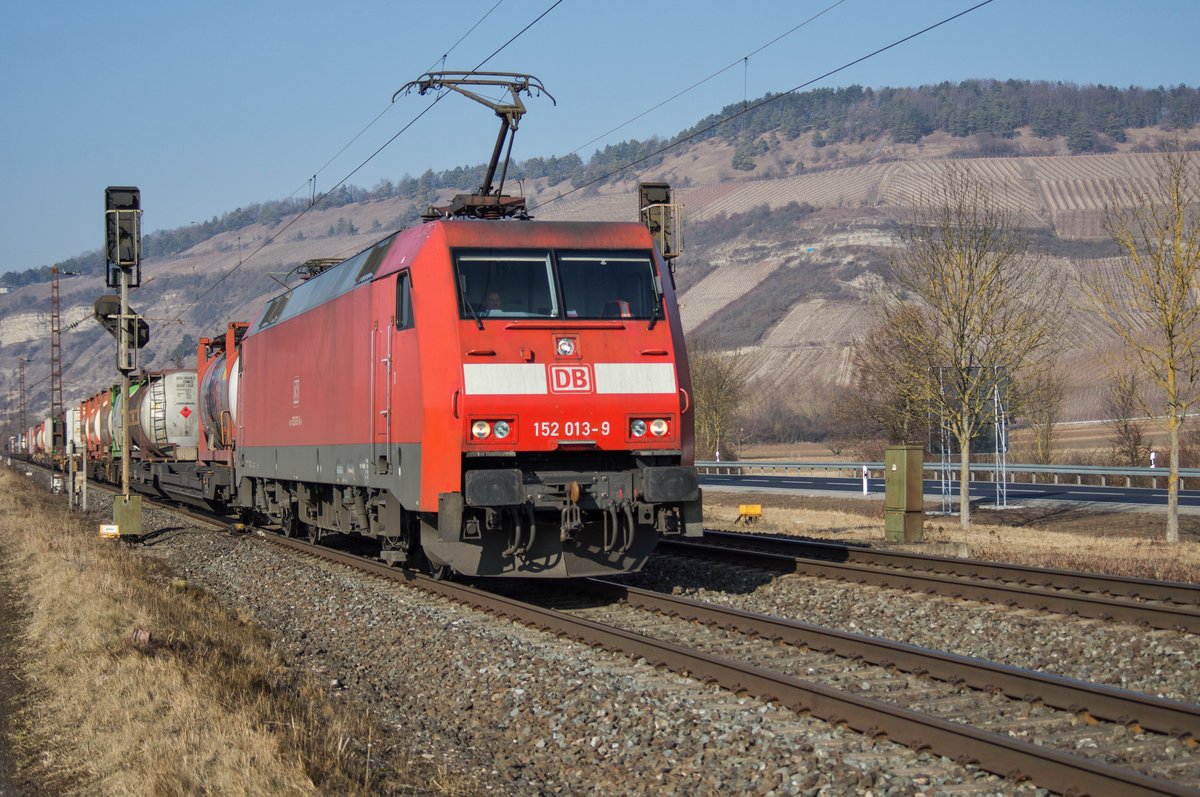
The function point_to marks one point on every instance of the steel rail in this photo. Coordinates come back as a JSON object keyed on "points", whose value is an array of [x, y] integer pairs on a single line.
{"points": [[1181, 618], [1179, 592], [1099, 701], [993, 752]]}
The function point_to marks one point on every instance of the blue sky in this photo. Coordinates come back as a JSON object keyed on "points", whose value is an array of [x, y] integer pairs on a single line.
{"points": [[207, 106]]}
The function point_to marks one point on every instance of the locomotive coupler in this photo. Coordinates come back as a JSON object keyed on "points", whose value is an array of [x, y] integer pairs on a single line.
{"points": [[572, 517], [572, 521]]}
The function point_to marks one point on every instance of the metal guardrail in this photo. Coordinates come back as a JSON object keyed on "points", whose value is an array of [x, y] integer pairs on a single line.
{"points": [[1052, 473]]}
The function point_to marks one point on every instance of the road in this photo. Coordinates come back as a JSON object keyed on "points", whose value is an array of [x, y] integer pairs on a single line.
{"points": [[984, 492]]}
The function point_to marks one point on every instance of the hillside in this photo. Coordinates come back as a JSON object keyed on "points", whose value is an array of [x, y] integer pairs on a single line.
{"points": [[790, 288], [781, 260]]}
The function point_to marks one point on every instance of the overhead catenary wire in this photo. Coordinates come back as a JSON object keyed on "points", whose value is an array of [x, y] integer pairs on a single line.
{"points": [[623, 167], [271, 239], [317, 200], [617, 170], [312, 180], [743, 60], [759, 104]]}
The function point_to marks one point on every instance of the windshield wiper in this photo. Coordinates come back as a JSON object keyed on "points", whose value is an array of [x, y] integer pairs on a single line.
{"points": [[657, 312], [474, 315]]}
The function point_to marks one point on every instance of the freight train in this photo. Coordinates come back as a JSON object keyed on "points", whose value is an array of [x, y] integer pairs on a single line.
{"points": [[492, 397]]}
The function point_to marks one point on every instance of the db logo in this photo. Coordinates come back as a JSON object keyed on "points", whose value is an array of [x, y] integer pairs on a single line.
{"points": [[570, 379]]}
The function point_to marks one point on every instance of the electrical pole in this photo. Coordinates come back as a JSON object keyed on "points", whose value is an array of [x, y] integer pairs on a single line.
{"points": [[58, 432], [24, 426]]}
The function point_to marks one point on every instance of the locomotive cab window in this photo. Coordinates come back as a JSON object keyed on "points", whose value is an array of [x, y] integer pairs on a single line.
{"points": [[609, 285], [505, 284], [274, 309], [404, 316]]}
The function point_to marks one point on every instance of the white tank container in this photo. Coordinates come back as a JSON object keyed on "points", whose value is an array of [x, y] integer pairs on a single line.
{"points": [[46, 436], [74, 430], [165, 418], [116, 423]]}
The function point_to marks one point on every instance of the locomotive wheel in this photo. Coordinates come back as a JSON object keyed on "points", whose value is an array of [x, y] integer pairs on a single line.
{"points": [[439, 572], [290, 524]]}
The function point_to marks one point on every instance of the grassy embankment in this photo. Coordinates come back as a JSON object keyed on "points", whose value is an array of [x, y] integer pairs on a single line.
{"points": [[203, 704], [1101, 540]]}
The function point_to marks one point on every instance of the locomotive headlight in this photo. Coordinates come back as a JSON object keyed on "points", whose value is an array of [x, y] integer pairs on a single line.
{"points": [[658, 427], [637, 428], [501, 429], [481, 429], [565, 347]]}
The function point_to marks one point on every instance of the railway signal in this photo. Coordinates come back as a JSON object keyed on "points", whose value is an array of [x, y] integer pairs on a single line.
{"points": [[108, 313], [664, 218], [123, 270]]}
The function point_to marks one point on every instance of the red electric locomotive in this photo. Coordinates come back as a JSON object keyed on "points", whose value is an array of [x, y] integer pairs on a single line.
{"points": [[506, 397], [483, 394]]}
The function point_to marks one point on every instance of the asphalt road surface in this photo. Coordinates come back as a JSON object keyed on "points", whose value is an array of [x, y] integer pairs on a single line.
{"points": [[983, 492]]}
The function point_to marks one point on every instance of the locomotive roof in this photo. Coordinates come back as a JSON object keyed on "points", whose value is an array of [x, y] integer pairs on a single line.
{"points": [[397, 250]]}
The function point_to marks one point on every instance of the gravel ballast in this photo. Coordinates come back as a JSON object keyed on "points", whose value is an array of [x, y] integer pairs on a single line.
{"points": [[525, 712], [1161, 663], [523, 708]]}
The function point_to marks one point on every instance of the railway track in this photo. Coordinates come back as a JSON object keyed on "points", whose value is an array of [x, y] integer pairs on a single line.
{"points": [[1012, 722], [1155, 604], [1030, 734]]}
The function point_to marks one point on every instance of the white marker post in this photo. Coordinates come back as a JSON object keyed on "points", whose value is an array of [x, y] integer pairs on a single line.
{"points": [[866, 484]]}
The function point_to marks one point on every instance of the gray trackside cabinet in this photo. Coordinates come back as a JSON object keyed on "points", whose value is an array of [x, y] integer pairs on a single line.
{"points": [[904, 498]]}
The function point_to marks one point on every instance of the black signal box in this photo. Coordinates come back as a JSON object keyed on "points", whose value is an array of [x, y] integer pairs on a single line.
{"points": [[123, 234]]}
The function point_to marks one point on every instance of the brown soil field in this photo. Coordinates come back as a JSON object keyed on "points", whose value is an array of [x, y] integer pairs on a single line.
{"points": [[1079, 442]]}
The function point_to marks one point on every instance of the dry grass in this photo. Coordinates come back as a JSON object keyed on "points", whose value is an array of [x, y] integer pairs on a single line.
{"points": [[204, 705], [1100, 540]]}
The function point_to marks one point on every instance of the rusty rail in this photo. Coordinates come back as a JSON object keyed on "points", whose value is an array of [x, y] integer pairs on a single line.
{"points": [[1166, 616], [1002, 755], [1180, 592], [1099, 701]]}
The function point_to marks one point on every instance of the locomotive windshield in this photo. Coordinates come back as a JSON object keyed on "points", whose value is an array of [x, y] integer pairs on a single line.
{"points": [[607, 285], [585, 285], [496, 284]]}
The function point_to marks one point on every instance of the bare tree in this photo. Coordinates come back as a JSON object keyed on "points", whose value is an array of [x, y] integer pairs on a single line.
{"points": [[1151, 300], [1043, 405], [881, 407], [975, 303], [1122, 405], [717, 387]]}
